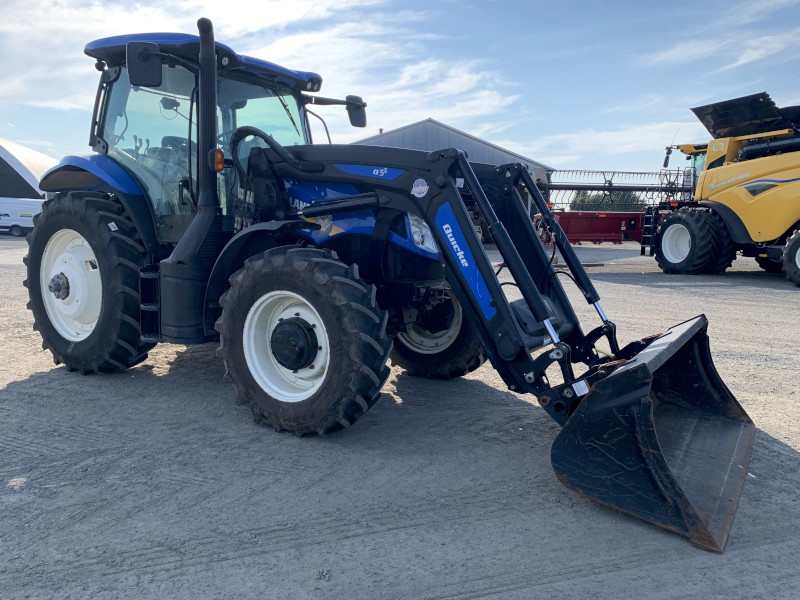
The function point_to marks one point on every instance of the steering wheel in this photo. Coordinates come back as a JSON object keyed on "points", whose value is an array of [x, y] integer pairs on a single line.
{"points": [[237, 138], [283, 153]]}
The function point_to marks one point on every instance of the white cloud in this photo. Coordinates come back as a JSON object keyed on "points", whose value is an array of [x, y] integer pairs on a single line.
{"points": [[766, 46], [576, 146], [389, 66], [43, 62], [687, 52], [749, 12], [641, 103], [561, 160], [730, 35]]}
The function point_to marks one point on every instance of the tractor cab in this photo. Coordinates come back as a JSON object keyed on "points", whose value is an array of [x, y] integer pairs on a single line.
{"points": [[152, 130]]}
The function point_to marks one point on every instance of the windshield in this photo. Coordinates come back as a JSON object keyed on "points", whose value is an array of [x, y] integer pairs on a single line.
{"points": [[698, 162], [271, 109]]}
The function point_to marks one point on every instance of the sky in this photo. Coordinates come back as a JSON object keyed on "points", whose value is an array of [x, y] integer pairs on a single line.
{"points": [[596, 85]]}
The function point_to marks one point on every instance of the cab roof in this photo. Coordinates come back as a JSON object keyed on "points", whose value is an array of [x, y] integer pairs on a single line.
{"points": [[111, 50]]}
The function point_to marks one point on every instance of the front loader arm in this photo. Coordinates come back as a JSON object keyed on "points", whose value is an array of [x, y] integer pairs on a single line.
{"points": [[512, 330], [651, 430]]}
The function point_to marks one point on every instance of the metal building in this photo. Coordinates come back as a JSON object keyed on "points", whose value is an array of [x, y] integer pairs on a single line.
{"points": [[429, 135]]}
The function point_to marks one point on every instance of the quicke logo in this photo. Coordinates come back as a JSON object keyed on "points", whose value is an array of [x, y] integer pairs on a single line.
{"points": [[456, 248]]}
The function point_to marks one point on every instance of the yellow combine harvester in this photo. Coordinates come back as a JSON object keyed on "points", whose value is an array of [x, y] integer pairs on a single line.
{"points": [[746, 193]]}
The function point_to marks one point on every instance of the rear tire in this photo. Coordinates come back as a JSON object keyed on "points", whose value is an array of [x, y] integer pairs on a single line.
{"points": [[685, 244], [83, 267], [791, 258], [440, 345], [16, 231], [303, 340]]}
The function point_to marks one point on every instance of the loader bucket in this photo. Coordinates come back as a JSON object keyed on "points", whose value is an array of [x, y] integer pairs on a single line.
{"points": [[663, 439]]}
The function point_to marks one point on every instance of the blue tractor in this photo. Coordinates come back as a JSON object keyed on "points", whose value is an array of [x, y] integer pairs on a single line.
{"points": [[206, 214]]}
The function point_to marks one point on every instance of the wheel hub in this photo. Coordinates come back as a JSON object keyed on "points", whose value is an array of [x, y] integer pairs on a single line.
{"points": [[294, 343], [59, 286], [676, 244], [70, 285], [435, 330]]}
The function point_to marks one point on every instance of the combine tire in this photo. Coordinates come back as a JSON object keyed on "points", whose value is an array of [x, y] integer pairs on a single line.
{"points": [[791, 258], [769, 265], [83, 266], [725, 252], [440, 345], [685, 244], [303, 340]]}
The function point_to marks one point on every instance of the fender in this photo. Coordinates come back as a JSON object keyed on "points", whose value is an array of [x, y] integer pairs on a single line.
{"points": [[101, 173], [248, 242], [731, 220]]}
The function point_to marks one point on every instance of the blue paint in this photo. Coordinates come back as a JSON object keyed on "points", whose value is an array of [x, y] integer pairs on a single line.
{"points": [[755, 181], [457, 244], [303, 194], [102, 167]]}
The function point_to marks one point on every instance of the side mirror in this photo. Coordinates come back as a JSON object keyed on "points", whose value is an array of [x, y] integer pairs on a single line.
{"points": [[144, 64], [356, 110], [666, 158]]}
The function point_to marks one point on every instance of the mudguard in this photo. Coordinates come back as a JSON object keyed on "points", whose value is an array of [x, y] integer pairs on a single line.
{"points": [[100, 173]]}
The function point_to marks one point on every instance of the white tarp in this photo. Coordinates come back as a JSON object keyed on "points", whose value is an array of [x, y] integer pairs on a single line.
{"points": [[30, 164]]}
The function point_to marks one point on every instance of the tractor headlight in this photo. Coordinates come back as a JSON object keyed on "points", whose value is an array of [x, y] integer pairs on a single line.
{"points": [[421, 234]]}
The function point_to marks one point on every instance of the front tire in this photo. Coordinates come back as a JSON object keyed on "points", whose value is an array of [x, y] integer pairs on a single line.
{"points": [[791, 258], [83, 267], [303, 340], [685, 244], [439, 345]]}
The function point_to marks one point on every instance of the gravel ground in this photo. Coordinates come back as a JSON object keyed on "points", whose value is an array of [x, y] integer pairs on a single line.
{"points": [[153, 484]]}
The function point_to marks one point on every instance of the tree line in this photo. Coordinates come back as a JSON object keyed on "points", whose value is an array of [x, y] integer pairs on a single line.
{"points": [[610, 201]]}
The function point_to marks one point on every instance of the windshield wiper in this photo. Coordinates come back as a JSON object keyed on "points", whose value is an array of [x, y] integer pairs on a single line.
{"points": [[286, 108]]}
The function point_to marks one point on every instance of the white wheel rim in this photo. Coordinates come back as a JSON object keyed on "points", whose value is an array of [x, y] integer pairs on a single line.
{"points": [[69, 255], [676, 243], [797, 256], [276, 380], [423, 341]]}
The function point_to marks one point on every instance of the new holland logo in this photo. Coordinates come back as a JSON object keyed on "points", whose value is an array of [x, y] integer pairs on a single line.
{"points": [[456, 248], [298, 204]]}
